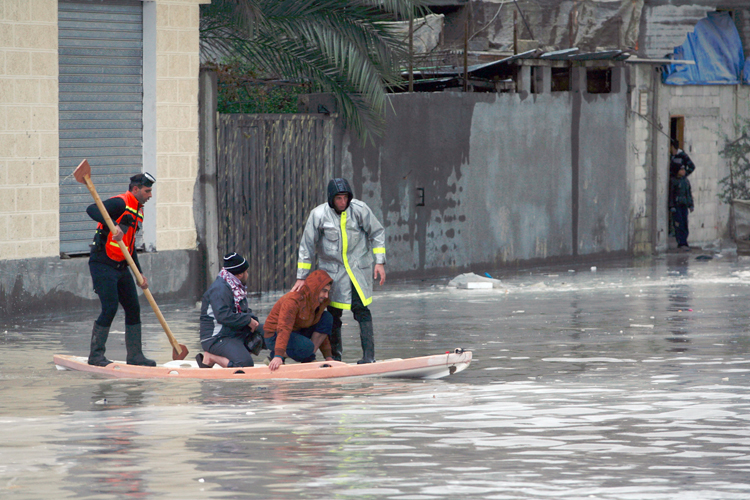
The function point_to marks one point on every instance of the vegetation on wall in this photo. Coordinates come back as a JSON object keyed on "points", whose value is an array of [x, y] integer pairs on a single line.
{"points": [[242, 91], [343, 47], [736, 151]]}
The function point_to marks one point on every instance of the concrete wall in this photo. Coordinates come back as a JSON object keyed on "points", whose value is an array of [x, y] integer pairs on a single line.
{"points": [[709, 111], [665, 23], [51, 284], [506, 177]]}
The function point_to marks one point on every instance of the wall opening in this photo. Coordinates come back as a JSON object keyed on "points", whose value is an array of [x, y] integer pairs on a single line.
{"points": [[599, 80], [677, 129], [560, 79]]}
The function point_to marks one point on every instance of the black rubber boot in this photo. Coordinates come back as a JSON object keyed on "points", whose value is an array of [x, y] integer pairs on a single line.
{"points": [[133, 347], [98, 340], [336, 346], [367, 337]]}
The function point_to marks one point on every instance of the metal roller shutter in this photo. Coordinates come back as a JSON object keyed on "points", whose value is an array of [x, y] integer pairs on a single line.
{"points": [[101, 103]]}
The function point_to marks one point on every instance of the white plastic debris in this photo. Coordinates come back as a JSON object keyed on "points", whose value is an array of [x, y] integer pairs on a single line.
{"points": [[474, 281]]}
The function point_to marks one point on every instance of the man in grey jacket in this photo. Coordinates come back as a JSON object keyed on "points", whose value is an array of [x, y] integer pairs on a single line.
{"points": [[229, 330], [347, 239]]}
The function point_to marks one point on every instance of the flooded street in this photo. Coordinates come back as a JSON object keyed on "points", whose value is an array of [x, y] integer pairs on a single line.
{"points": [[625, 382]]}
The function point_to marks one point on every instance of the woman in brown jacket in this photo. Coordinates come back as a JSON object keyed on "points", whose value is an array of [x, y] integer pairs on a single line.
{"points": [[298, 324]]}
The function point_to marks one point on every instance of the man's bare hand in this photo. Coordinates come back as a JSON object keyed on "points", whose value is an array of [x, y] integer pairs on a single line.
{"points": [[298, 285], [253, 324], [275, 363], [118, 234], [143, 284], [380, 269]]}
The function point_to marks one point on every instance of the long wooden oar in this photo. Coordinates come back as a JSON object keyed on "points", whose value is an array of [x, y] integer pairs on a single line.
{"points": [[83, 175]]}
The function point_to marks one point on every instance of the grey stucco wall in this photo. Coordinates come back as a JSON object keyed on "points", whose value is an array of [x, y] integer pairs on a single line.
{"points": [[53, 284], [604, 187], [506, 177]]}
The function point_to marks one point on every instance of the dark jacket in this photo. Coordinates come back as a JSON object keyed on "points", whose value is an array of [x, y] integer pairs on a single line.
{"points": [[219, 316], [297, 310], [680, 193], [678, 161], [115, 207]]}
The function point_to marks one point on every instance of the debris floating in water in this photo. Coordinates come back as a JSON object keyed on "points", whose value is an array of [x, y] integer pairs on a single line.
{"points": [[474, 281]]}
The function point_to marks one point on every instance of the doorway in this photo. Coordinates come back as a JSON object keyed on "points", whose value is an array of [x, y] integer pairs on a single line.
{"points": [[676, 132]]}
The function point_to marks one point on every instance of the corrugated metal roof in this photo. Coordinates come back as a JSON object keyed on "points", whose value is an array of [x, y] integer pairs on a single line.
{"points": [[559, 55], [616, 55]]}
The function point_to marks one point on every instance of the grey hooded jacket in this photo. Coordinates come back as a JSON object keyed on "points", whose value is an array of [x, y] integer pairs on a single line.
{"points": [[346, 245]]}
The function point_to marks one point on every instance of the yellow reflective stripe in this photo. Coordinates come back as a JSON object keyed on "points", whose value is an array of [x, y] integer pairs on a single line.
{"points": [[378, 250], [344, 248], [339, 305], [114, 244], [304, 265]]}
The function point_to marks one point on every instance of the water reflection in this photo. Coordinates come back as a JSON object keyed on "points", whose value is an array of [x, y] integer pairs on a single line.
{"points": [[680, 302], [585, 385]]}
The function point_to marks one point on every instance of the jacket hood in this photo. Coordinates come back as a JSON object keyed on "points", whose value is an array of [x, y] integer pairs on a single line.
{"points": [[336, 186], [314, 283]]}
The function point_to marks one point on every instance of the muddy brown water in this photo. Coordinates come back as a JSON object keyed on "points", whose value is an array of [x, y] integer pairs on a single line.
{"points": [[630, 382]]}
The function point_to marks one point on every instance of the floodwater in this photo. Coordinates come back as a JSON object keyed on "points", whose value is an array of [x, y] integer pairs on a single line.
{"points": [[628, 382]]}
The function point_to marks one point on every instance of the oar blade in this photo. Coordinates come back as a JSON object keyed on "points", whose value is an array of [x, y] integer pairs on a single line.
{"points": [[83, 169], [180, 355]]}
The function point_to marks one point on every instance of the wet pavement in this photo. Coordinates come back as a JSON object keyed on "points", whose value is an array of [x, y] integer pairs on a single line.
{"points": [[627, 382]]}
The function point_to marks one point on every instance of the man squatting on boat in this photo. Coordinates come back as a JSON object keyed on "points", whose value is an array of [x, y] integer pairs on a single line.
{"points": [[298, 324], [347, 238], [111, 277], [229, 331]]}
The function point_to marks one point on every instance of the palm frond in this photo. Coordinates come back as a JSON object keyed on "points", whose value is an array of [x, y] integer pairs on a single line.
{"points": [[344, 47]]}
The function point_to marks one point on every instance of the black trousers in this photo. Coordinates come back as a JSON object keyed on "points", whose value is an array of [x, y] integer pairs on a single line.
{"points": [[681, 230], [115, 286], [360, 311], [236, 348]]}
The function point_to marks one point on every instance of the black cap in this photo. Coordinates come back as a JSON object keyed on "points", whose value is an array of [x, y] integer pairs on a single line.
{"points": [[235, 263], [145, 179]]}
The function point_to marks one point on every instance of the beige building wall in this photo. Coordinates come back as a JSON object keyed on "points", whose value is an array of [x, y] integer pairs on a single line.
{"points": [[29, 145], [178, 66], [29, 203]]}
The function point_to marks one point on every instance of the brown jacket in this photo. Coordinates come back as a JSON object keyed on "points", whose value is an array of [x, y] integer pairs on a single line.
{"points": [[297, 310]]}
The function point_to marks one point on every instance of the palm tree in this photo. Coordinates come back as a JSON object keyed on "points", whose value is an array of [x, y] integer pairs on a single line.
{"points": [[345, 47]]}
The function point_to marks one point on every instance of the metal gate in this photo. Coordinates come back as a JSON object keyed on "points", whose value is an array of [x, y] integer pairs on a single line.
{"points": [[272, 170], [101, 102]]}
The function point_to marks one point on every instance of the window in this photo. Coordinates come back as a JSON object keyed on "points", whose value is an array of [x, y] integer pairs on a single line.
{"points": [[560, 79], [599, 80]]}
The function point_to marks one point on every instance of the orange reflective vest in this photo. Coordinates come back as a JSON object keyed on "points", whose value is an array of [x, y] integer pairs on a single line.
{"points": [[131, 207]]}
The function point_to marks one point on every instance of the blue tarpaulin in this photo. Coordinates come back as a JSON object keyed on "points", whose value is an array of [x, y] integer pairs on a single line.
{"points": [[716, 48]]}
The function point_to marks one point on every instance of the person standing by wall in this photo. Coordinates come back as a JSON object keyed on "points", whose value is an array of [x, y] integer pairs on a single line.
{"points": [[679, 159], [680, 193], [347, 238], [680, 202], [110, 273]]}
